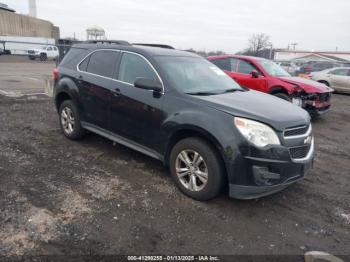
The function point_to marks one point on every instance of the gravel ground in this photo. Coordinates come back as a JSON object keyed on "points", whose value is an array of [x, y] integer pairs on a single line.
{"points": [[90, 197]]}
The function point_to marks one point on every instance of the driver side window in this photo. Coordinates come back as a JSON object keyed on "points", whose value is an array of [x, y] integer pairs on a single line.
{"points": [[133, 66]]}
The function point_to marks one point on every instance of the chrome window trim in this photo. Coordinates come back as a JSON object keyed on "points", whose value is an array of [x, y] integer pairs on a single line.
{"points": [[308, 132], [117, 80]]}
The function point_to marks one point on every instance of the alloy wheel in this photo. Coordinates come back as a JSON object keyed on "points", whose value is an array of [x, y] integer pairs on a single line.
{"points": [[191, 170], [67, 120]]}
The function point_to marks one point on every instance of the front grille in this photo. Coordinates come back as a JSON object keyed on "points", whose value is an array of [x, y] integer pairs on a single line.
{"points": [[31, 52], [296, 131], [324, 97], [299, 152]]}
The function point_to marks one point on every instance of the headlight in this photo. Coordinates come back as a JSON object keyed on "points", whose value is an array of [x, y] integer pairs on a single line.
{"points": [[256, 133]]}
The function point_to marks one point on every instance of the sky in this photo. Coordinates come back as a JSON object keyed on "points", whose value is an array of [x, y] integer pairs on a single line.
{"points": [[204, 24]]}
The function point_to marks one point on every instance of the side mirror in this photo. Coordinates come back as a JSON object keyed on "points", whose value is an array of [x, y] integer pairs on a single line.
{"points": [[255, 74], [148, 84]]}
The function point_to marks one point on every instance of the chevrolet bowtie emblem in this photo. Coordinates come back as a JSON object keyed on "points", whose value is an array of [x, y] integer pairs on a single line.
{"points": [[308, 140]]}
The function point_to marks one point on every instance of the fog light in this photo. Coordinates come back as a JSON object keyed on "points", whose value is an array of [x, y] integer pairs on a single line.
{"points": [[262, 176]]}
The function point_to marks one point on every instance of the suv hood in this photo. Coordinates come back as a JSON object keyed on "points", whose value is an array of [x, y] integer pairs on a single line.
{"points": [[307, 85], [258, 106]]}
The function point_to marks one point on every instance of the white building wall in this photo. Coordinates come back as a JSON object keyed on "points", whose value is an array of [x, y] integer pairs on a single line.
{"points": [[287, 56], [24, 43]]}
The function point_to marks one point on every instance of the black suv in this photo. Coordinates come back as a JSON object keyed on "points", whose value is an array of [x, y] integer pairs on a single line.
{"points": [[181, 109]]}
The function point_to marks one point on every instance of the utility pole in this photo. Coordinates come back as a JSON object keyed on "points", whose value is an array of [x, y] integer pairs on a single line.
{"points": [[294, 45]]}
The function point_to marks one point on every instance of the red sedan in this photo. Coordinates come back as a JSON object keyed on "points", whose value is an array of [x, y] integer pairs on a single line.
{"points": [[266, 76]]}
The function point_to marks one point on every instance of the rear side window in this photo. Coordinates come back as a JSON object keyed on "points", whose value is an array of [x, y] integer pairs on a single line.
{"points": [[103, 63], [73, 57], [223, 64], [245, 67], [83, 65], [133, 66]]}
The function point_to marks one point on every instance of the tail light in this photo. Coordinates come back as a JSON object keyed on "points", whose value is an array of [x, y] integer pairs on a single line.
{"points": [[55, 74]]}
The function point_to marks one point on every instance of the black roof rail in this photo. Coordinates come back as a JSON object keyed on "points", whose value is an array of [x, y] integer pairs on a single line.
{"points": [[116, 42], [155, 45]]}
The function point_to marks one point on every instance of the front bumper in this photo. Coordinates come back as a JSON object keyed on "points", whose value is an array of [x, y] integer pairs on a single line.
{"points": [[318, 104], [252, 192], [257, 173]]}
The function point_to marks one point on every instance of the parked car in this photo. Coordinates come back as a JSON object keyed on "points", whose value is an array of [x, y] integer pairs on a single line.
{"points": [[268, 77], [337, 78], [44, 53], [289, 67], [181, 109], [316, 67]]}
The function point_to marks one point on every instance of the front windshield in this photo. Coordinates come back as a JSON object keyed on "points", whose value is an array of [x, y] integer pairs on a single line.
{"points": [[272, 68], [194, 75]]}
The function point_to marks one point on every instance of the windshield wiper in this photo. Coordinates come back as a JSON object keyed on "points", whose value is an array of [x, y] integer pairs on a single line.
{"points": [[202, 93], [230, 91], [207, 93]]}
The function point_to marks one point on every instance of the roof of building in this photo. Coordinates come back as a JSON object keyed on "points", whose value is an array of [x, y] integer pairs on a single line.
{"points": [[6, 8], [311, 52]]}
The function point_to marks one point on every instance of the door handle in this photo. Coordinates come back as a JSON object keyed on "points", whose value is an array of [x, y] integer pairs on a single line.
{"points": [[117, 92]]}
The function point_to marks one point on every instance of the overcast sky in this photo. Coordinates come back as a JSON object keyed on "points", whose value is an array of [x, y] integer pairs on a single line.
{"points": [[204, 24]]}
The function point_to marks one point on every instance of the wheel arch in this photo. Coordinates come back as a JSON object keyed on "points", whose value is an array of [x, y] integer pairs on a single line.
{"points": [[61, 97], [193, 131], [278, 89], [324, 82], [65, 89]]}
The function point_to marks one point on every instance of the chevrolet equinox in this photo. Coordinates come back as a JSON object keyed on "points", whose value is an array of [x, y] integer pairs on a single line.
{"points": [[181, 109]]}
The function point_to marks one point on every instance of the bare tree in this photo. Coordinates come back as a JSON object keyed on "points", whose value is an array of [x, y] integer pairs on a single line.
{"points": [[258, 42]]}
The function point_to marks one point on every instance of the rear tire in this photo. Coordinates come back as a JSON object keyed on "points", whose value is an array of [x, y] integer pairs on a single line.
{"points": [[283, 96], [201, 177], [70, 120]]}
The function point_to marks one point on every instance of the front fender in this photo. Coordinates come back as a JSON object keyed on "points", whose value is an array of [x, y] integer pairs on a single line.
{"points": [[213, 125]]}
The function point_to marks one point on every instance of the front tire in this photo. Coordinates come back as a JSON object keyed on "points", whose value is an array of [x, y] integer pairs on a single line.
{"points": [[196, 169], [43, 57], [70, 120], [283, 96]]}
